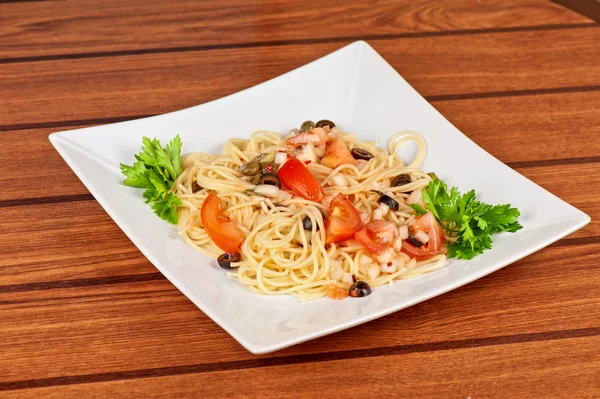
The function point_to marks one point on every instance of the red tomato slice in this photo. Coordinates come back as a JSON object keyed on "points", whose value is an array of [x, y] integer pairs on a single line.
{"points": [[343, 220], [337, 154], [223, 231], [429, 225], [298, 178], [377, 236]]}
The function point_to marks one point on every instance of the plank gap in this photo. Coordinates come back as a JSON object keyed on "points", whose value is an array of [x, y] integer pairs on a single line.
{"points": [[436, 98], [279, 43], [301, 359]]}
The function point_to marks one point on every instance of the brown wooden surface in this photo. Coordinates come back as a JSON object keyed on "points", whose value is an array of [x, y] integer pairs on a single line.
{"points": [[97, 26], [84, 314], [511, 63], [567, 368]]}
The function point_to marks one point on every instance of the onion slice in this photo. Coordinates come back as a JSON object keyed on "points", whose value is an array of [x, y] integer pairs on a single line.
{"points": [[415, 197], [420, 235]]}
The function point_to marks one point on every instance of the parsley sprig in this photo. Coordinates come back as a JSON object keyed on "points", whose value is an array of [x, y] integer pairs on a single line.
{"points": [[472, 221], [155, 169]]}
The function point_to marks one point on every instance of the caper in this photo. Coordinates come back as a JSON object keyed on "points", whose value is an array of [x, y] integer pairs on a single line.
{"points": [[412, 240], [307, 126], [226, 259], [266, 158], [196, 187], [250, 168], [359, 153], [255, 180], [401, 180], [307, 223], [359, 289], [389, 201], [266, 162], [325, 122], [269, 178]]}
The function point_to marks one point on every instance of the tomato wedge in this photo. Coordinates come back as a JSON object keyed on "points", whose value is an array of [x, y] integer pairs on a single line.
{"points": [[222, 230], [429, 225], [298, 178], [337, 154], [343, 220], [377, 236]]}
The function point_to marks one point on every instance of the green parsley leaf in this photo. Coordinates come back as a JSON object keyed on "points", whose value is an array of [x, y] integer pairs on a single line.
{"points": [[136, 175], [420, 210], [167, 209], [156, 169], [472, 221]]}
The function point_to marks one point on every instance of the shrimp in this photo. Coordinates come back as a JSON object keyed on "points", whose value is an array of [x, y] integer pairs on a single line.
{"points": [[317, 136]]}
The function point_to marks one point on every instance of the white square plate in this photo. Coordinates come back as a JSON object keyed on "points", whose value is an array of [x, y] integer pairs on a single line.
{"points": [[363, 94]]}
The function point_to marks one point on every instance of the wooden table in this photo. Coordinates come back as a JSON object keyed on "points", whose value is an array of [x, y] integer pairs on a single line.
{"points": [[84, 314]]}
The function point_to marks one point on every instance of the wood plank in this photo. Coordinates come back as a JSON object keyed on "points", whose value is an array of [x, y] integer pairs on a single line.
{"points": [[530, 128], [122, 86], [32, 168], [496, 124], [581, 189], [548, 369], [99, 26], [78, 241], [102, 329]]}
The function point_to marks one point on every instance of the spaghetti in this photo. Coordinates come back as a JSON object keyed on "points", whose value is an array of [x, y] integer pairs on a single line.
{"points": [[287, 246]]}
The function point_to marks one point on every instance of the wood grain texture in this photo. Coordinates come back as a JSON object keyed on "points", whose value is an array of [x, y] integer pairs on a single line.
{"points": [[584, 184], [144, 325], [79, 241], [45, 167], [68, 27], [529, 128], [566, 369], [156, 83]]}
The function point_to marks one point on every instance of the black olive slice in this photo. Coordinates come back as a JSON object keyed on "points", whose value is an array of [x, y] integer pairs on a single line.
{"points": [[325, 122], [401, 180], [389, 201], [196, 187], [359, 289], [270, 178], [307, 223], [359, 153], [226, 259], [412, 240]]}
